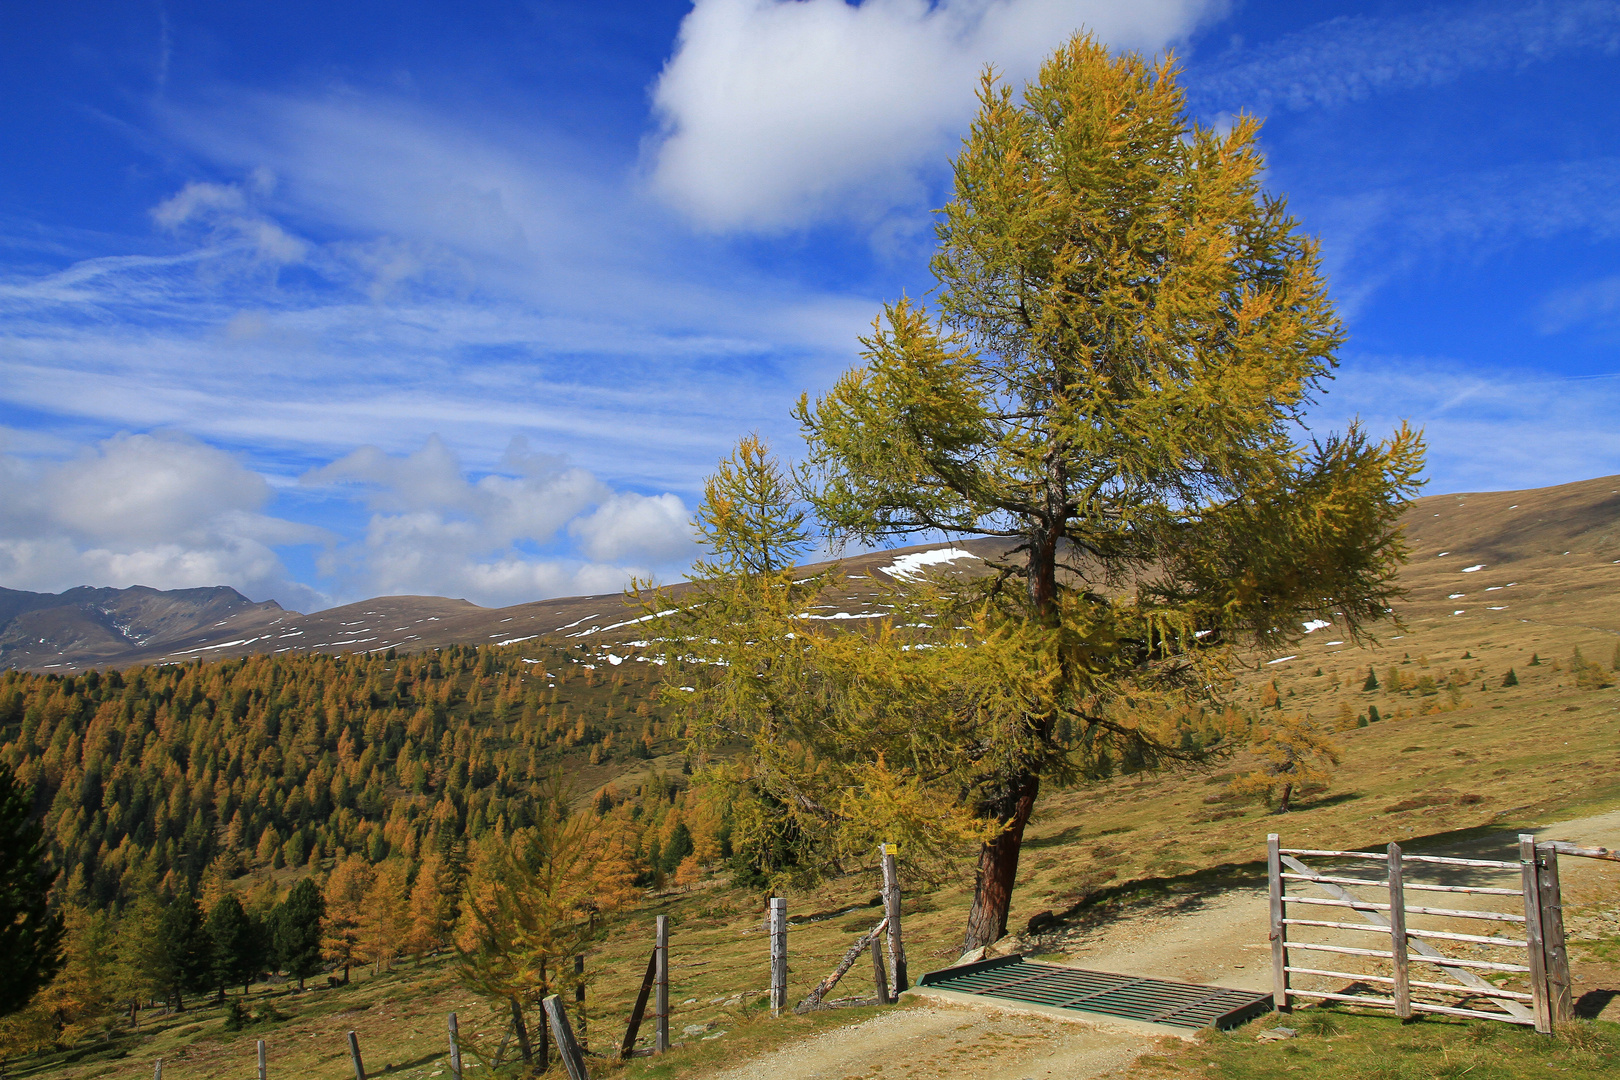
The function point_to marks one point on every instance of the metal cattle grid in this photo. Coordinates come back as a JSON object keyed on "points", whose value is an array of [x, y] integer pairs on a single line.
{"points": [[1156, 1001]]}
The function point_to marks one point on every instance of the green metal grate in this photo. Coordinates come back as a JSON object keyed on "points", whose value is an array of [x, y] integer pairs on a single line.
{"points": [[1156, 1001]]}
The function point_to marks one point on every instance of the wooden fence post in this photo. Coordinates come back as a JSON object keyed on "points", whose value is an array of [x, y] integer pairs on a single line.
{"points": [[1532, 926], [628, 1047], [354, 1056], [661, 1000], [898, 980], [157, 1069], [563, 1035], [264, 1065], [1279, 938], [1397, 935], [778, 955], [579, 1000], [455, 1048], [879, 976], [1560, 1006]]}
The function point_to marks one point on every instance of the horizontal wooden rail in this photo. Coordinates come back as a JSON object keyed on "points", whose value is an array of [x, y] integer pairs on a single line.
{"points": [[1481, 889], [1438, 860], [1458, 913], [1477, 939], [1444, 935], [1417, 1006], [1385, 954], [1370, 905], [1369, 928], [1409, 885], [1445, 988], [1359, 905], [1565, 848]]}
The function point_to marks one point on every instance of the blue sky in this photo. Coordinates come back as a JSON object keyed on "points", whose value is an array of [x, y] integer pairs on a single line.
{"points": [[329, 300]]}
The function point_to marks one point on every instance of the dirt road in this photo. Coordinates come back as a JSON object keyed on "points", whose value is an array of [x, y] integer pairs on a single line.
{"points": [[1208, 937]]}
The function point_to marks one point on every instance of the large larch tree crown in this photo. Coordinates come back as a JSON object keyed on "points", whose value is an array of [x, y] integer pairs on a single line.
{"points": [[1128, 330]]}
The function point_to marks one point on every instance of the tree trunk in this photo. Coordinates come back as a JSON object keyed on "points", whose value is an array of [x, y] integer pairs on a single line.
{"points": [[1288, 793], [998, 866]]}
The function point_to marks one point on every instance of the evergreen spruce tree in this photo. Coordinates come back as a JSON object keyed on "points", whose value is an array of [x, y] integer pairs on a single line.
{"points": [[1371, 682], [185, 954], [232, 953], [30, 933], [297, 931], [1510, 679]]}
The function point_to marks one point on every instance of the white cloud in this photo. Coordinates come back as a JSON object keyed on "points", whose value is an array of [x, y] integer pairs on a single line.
{"points": [[1487, 429], [223, 210], [1351, 58], [436, 530], [158, 510], [654, 527], [778, 112], [1596, 304]]}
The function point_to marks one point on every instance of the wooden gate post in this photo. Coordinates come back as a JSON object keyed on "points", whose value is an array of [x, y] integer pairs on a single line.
{"points": [[1532, 928], [354, 1057], [567, 1046], [661, 998], [898, 979], [1397, 935], [1279, 938], [264, 1065], [157, 1069], [455, 1048], [778, 955], [1560, 1006]]}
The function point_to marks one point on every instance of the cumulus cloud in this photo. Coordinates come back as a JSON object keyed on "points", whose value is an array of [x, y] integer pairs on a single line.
{"points": [[628, 525], [434, 529], [778, 112], [158, 510]]}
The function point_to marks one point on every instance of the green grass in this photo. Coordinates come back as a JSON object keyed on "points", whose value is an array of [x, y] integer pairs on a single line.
{"points": [[1334, 1043]]}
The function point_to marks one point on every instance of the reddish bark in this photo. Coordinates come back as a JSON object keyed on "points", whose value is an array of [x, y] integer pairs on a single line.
{"points": [[998, 868]]}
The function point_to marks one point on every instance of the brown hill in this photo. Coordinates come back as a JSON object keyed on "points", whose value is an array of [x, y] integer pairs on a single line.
{"points": [[1520, 555]]}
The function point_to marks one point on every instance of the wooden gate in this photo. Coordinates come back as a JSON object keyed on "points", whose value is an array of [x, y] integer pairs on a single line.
{"points": [[1529, 941]]}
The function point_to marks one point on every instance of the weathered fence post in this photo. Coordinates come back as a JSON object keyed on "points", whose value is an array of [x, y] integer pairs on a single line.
{"points": [[455, 1048], [1397, 935], [1279, 936], [264, 1065], [157, 1069], [661, 1000], [1532, 925], [628, 1047], [898, 980], [354, 1056], [879, 976], [579, 1000], [778, 955], [1560, 1007], [563, 1035]]}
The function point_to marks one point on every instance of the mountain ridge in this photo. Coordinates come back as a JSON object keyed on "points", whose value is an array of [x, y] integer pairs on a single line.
{"points": [[1562, 541]]}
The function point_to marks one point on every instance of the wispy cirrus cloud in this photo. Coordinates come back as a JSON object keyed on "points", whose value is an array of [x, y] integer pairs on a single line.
{"points": [[1488, 429], [1352, 58]]}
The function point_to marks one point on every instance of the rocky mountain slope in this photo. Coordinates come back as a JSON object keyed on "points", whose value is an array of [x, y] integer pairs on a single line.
{"points": [[1488, 556]]}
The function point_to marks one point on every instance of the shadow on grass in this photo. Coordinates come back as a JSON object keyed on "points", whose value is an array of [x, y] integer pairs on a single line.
{"points": [[1593, 1002]]}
